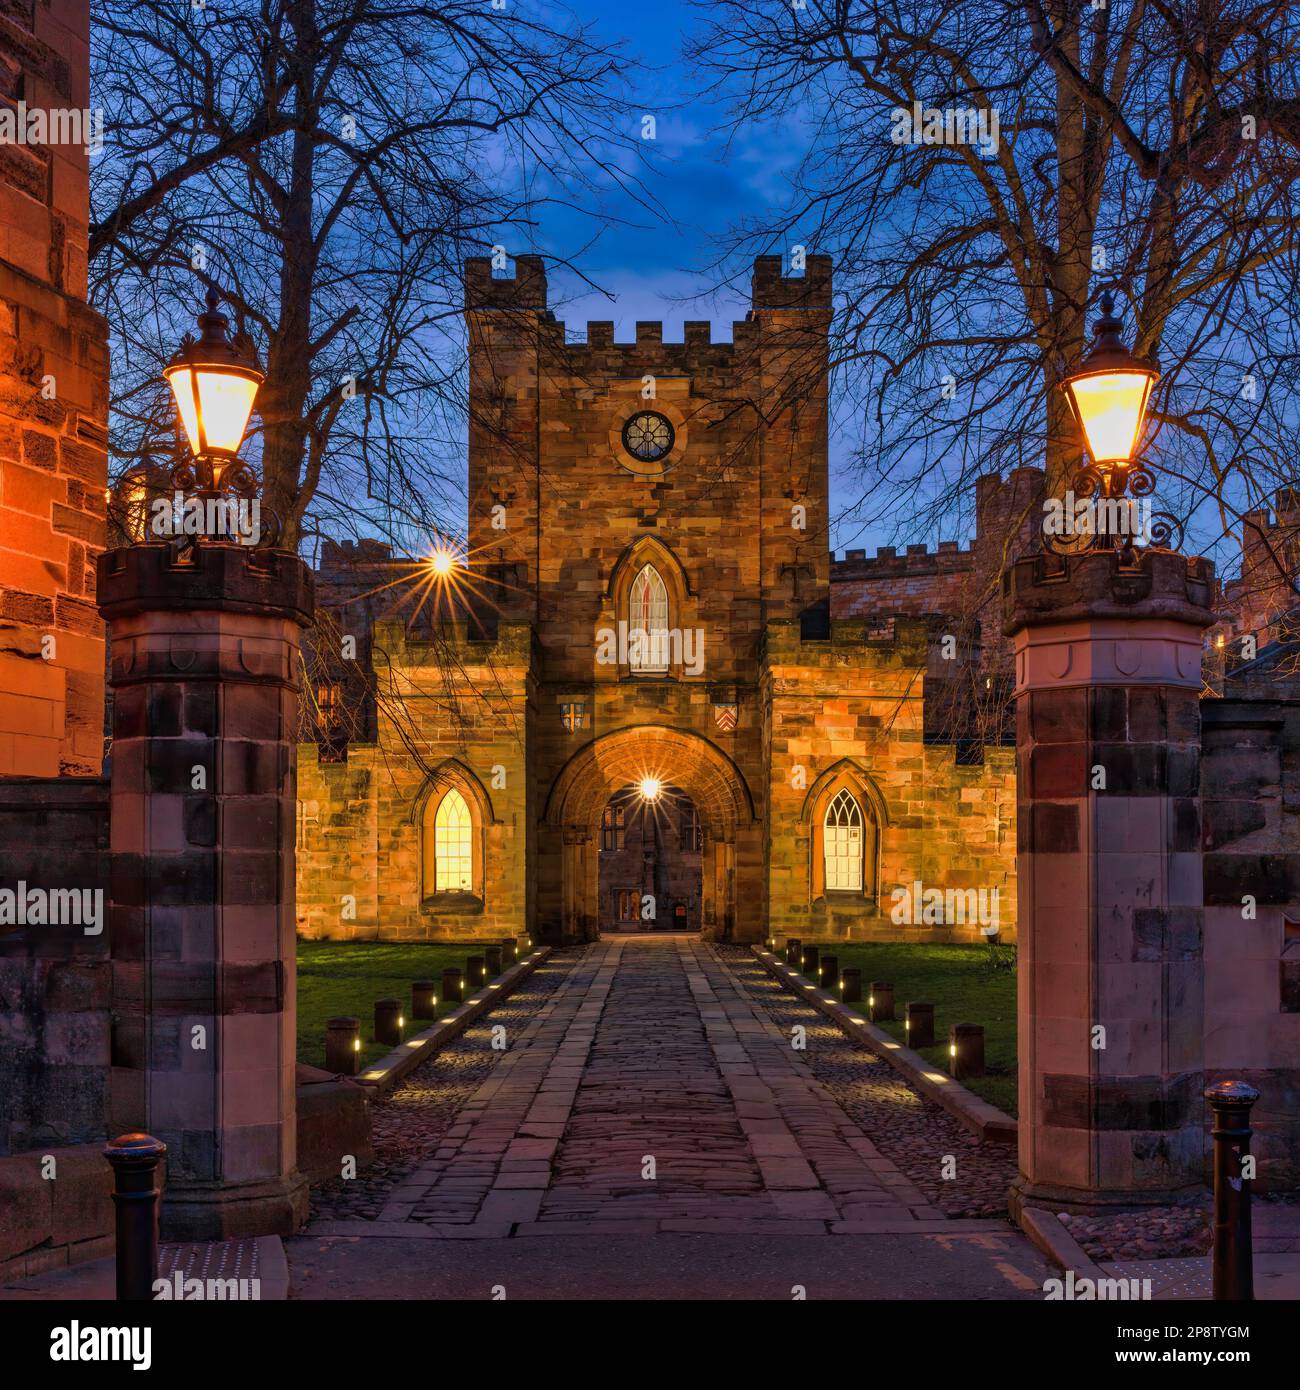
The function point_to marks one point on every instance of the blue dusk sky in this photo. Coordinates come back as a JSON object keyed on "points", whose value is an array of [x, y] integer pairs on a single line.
{"points": [[669, 262]]}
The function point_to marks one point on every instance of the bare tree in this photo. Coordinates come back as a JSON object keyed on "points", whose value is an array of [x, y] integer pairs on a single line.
{"points": [[982, 172], [326, 165]]}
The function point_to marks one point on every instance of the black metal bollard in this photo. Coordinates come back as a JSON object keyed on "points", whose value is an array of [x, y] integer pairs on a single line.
{"points": [[134, 1159], [918, 1021], [424, 999], [473, 973], [389, 1022], [1233, 1259], [343, 1045], [851, 980], [492, 961], [965, 1050], [830, 973], [509, 952], [808, 963], [452, 988], [793, 951], [880, 1002]]}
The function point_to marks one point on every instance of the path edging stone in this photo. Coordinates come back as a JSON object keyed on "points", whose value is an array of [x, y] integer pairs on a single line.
{"points": [[985, 1121], [380, 1078], [1045, 1230]]}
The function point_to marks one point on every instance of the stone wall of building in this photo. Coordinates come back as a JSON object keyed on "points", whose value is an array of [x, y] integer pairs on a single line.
{"points": [[852, 706], [53, 412], [1250, 800], [1260, 601], [949, 583], [56, 982], [462, 719], [653, 854]]}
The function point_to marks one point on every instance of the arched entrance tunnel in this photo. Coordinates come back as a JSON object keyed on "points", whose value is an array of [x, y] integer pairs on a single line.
{"points": [[686, 771], [649, 858]]}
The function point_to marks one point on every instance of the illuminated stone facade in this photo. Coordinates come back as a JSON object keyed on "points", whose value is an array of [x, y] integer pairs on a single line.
{"points": [[776, 690]]}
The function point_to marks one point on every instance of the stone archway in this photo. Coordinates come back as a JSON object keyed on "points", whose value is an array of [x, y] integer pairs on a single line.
{"points": [[732, 865]]}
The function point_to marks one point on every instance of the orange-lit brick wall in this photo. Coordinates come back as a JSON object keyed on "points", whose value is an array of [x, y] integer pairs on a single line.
{"points": [[53, 408]]}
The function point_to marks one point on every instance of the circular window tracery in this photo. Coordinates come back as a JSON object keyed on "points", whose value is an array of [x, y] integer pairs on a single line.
{"points": [[648, 436]]}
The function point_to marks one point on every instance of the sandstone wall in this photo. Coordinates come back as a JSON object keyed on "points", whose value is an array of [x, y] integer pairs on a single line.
{"points": [[854, 705], [465, 704], [53, 412]]}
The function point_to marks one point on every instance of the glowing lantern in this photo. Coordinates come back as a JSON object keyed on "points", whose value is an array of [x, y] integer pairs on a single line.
{"points": [[215, 383], [1109, 394]]}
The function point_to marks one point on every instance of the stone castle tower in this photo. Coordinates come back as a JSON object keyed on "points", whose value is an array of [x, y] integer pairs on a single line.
{"points": [[678, 488]]}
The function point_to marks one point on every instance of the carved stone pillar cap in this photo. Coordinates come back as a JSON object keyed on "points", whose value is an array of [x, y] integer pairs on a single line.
{"points": [[1051, 588], [228, 578]]}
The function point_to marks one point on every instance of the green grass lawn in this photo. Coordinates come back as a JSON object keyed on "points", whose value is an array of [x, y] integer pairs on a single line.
{"points": [[346, 977], [958, 982]]}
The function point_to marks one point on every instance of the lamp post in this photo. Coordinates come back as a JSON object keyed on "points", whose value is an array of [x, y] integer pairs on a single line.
{"points": [[1109, 394], [214, 381]]}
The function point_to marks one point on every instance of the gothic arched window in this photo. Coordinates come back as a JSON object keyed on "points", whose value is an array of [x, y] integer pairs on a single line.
{"points": [[842, 844], [453, 845], [647, 623]]}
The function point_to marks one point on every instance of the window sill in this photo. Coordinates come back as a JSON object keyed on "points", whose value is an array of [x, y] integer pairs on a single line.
{"points": [[466, 903]]}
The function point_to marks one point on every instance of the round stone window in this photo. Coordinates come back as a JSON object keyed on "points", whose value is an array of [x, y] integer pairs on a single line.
{"points": [[648, 436]]}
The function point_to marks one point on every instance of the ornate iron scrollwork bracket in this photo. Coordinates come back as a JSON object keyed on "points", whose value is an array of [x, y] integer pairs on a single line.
{"points": [[1117, 488]]}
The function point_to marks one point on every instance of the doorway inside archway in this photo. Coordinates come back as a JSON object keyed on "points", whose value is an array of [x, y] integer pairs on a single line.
{"points": [[651, 860]]}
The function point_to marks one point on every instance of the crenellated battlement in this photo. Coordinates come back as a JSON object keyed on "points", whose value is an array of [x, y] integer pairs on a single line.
{"points": [[889, 638], [695, 333], [772, 289], [526, 289], [887, 563]]}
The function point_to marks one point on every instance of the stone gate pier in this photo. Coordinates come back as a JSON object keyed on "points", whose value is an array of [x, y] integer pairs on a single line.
{"points": [[204, 678], [1111, 999]]}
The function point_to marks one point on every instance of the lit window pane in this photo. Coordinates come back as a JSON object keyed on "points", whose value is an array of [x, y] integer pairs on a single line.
{"points": [[647, 623], [453, 845], [842, 836]]}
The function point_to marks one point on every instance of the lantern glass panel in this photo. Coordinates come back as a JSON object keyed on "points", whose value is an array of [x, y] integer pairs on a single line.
{"points": [[1111, 407]]}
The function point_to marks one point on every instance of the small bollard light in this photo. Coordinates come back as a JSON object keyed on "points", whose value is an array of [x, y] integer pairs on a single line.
{"points": [[473, 973], [829, 971], [793, 951], [134, 1159], [1232, 1263], [492, 961], [509, 952], [452, 985], [851, 985], [965, 1050], [880, 1002], [808, 962], [343, 1045], [389, 1023], [424, 999], [918, 1020], [523, 946]]}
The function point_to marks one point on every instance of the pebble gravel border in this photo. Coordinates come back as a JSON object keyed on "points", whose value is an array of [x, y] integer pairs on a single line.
{"points": [[912, 1132], [409, 1122]]}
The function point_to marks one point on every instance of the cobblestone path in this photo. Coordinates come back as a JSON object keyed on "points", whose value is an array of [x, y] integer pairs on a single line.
{"points": [[651, 1089]]}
